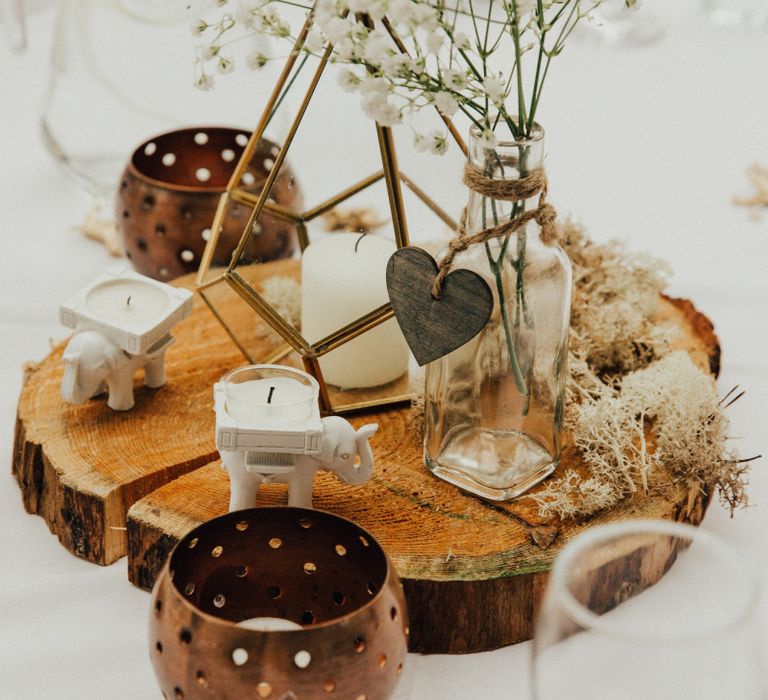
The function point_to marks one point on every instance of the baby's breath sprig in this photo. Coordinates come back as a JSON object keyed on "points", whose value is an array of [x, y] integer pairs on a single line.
{"points": [[450, 55]]}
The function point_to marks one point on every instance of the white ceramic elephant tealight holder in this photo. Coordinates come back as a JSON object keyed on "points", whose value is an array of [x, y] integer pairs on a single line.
{"points": [[344, 451], [94, 364], [122, 322], [268, 429]]}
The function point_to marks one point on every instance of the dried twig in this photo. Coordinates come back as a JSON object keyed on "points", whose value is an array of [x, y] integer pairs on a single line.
{"points": [[758, 176]]}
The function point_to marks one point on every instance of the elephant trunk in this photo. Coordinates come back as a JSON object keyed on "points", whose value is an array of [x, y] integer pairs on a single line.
{"points": [[364, 470], [71, 391]]}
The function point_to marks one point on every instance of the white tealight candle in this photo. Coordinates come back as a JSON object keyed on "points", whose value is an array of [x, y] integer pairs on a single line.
{"points": [[343, 277], [269, 624], [275, 400], [132, 310], [127, 301]]}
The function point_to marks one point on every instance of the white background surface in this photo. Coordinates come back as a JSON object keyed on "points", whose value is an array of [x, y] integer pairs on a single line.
{"points": [[648, 145]]}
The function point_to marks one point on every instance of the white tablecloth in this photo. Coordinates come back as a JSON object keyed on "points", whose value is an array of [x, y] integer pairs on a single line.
{"points": [[648, 145]]}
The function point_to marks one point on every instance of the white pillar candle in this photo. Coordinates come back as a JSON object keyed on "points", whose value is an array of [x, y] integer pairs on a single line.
{"points": [[127, 301], [343, 277]]}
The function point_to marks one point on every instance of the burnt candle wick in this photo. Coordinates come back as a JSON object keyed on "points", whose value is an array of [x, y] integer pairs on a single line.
{"points": [[271, 391], [128, 302]]}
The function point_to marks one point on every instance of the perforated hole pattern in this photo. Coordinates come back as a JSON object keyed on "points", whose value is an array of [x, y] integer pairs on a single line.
{"points": [[229, 568], [169, 192]]}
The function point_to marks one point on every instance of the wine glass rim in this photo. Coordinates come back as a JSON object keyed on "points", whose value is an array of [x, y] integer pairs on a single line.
{"points": [[589, 620]]}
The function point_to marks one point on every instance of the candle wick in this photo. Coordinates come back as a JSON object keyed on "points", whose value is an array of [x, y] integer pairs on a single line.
{"points": [[357, 242], [271, 391], [128, 303]]}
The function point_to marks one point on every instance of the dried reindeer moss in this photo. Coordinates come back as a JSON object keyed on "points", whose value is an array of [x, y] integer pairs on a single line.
{"points": [[626, 388]]}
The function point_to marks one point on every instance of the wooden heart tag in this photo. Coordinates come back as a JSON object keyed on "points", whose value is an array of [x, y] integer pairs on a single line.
{"points": [[435, 327]]}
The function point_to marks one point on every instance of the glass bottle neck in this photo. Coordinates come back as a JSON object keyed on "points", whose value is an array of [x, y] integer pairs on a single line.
{"points": [[507, 162]]}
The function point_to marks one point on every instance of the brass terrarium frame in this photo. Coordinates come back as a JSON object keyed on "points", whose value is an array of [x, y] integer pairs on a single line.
{"points": [[236, 195]]}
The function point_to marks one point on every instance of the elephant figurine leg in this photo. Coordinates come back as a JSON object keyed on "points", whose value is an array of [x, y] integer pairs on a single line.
{"points": [[300, 484], [154, 372], [243, 485], [120, 383]]}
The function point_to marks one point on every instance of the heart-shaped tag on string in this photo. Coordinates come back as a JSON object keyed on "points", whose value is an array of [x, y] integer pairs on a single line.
{"points": [[434, 327]]}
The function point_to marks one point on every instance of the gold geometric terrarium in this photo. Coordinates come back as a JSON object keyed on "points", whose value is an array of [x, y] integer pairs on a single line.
{"points": [[225, 286]]}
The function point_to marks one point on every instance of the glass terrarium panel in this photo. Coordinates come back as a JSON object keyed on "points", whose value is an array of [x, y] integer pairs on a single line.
{"points": [[343, 272], [334, 168], [401, 390], [258, 342]]}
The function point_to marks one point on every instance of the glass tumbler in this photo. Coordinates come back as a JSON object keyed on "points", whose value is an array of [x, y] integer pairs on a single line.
{"points": [[648, 610]]}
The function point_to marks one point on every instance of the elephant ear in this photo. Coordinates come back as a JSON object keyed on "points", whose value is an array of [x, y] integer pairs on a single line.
{"points": [[368, 431], [111, 356]]}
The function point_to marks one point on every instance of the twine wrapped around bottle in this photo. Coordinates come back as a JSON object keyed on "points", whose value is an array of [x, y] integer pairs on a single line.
{"points": [[509, 190]]}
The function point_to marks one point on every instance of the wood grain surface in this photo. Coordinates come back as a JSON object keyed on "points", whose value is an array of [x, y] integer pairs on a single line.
{"points": [[473, 572]]}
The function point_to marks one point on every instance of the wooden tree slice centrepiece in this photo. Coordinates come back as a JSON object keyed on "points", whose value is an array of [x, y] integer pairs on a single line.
{"points": [[473, 572]]}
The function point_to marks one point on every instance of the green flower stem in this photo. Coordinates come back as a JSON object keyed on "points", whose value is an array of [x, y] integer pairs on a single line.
{"points": [[513, 359], [496, 266]]}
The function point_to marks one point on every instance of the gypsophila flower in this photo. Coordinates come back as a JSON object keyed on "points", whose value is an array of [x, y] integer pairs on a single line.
{"points": [[314, 42], [336, 29], [424, 16], [495, 89], [446, 104], [244, 15], [377, 48], [225, 65], [435, 142], [359, 6], [387, 114], [256, 60], [454, 79], [324, 10], [346, 51], [421, 142], [438, 143], [488, 139], [209, 52], [426, 57], [461, 41], [204, 82], [378, 108], [434, 41], [401, 11], [198, 26], [348, 80], [396, 65], [374, 85]]}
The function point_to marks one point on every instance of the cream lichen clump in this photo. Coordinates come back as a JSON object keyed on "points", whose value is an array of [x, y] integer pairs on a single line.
{"points": [[690, 426], [615, 298], [624, 379], [283, 294]]}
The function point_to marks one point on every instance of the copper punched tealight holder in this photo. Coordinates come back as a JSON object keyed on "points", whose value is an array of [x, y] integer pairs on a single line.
{"points": [[312, 568], [169, 192]]}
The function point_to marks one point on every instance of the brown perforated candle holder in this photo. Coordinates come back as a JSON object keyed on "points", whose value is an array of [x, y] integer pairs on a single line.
{"points": [[309, 567], [170, 190]]}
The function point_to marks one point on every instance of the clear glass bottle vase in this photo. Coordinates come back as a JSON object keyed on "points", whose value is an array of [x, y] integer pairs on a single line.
{"points": [[494, 407]]}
